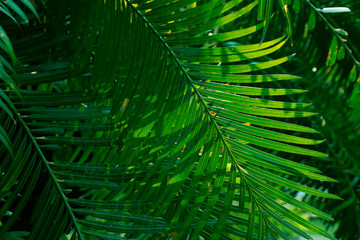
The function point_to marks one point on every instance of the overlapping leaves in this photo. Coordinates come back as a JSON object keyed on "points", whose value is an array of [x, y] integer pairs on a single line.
{"points": [[329, 65], [162, 129]]}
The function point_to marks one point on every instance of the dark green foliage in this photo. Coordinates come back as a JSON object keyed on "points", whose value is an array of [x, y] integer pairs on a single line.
{"points": [[174, 120]]}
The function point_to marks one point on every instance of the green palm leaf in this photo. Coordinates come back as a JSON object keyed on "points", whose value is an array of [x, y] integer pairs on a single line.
{"points": [[151, 127], [329, 65]]}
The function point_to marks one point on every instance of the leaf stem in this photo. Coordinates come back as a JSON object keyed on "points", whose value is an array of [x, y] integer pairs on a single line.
{"points": [[347, 48], [187, 77], [49, 170]]}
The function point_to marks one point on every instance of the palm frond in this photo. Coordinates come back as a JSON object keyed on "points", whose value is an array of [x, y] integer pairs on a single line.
{"points": [[7, 54], [154, 126], [328, 62]]}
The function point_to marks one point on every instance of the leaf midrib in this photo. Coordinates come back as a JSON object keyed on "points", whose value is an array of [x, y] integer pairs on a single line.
{"points": [[188, 79], [49, 170]]}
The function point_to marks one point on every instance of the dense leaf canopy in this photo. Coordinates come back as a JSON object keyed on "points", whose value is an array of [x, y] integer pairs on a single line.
{"points": [[177, 119]]}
